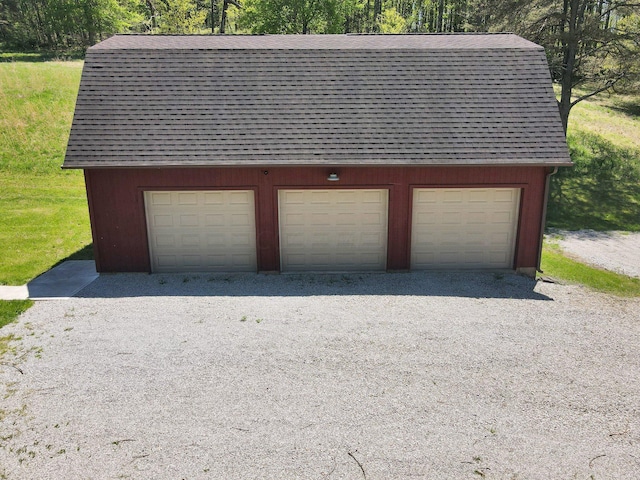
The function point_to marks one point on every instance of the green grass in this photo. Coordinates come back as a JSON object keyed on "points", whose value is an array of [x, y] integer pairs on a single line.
{"points": [[45, 217], [557, 265], [602, 190], [9, 310], [37, 101]]}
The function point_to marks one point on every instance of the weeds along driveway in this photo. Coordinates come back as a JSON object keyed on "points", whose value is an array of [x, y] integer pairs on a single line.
{"points": [[310, 377]]}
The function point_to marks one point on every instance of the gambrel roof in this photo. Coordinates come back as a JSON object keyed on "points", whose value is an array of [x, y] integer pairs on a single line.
{"points": [[264, 100]]}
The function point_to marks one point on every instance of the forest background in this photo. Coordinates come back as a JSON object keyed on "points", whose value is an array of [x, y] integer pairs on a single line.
{"points": [[592, 46]]}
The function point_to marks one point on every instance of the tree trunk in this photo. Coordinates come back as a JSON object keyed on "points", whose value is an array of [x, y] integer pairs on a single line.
{"points": [[367, 16], [223, 21], [42, 31], [571, 25], [377, 11], [213, 16], [152, 11], [440, 15]]}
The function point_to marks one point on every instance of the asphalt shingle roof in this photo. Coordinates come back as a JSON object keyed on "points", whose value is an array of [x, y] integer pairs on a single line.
{"points": [[315, 100]]}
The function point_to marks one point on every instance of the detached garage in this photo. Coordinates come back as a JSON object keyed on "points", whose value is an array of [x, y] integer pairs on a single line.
{"points": [[316, 152]]}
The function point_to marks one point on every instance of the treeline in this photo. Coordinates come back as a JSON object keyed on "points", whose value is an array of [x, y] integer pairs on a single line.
{"points": [[64, 24], [358, 16], [592, 44]]}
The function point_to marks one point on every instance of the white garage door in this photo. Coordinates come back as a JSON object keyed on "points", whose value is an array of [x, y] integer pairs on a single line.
{"points": [[201, 231], [333, 230], [464, 227]]}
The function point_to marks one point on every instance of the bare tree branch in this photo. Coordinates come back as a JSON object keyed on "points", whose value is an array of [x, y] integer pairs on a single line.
{"points": [[610, 84]]}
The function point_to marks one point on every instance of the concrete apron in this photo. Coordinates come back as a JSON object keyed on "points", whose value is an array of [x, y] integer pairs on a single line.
{"points": [[63, 281]]}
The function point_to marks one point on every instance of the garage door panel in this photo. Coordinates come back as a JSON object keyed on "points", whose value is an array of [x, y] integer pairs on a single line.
{"points": [[498, 256], [214, 220], [473, 255], [477, 218], [425, 196], [373, 240], [501, 239], [451, 218], [240, 260], [159, 198], [448, 238], [344, 239], [294, 219], [346, 197], [166, 261], [319, 198], [321, 241], [293, 240], [376, 219], [291, 197], [241, 220], [452, 196], [190, 240], [191, 261], [162, 221], [213, 198], [426, 218], [188, 220], [218, 240], [243, 239], [201, 231], [187, 198], [464, 228], [501, 218], [474, 239], [165, 240], [449, 258], [213, 262], [374, 196], [479, 196], [241, 198], [506, 196], [333, 230], [346, 218], [320, 219]]}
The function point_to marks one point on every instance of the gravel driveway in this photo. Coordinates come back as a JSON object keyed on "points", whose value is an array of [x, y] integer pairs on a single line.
{"points": [[616, 251], [387, 376]]}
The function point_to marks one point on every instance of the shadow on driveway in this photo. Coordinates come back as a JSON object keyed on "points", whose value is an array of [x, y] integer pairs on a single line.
{"points": [[437, 284]]}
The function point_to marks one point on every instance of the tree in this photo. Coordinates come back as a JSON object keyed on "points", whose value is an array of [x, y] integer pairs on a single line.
{"points": [[296, 16], [53, 24], [590, 44], [180, 16], [390, 21], [435, 15]]}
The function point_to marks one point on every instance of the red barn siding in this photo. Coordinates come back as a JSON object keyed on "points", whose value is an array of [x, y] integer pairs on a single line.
{"points": [[119, 226]]}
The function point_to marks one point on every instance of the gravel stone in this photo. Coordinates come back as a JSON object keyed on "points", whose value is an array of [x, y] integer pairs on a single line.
{"points": [[376, 376], [615, 251]]}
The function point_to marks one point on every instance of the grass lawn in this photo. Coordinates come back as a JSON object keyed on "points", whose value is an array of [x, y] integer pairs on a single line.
{"points": [[557, 265], [45, 217], [11, 309], [602, 190]]}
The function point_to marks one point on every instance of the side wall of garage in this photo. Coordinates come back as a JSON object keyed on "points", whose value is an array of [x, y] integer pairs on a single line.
{"points": [[117, 210]]}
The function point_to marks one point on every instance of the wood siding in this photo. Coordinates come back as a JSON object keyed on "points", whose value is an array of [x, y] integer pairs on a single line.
{"points": [[118, 222]]}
